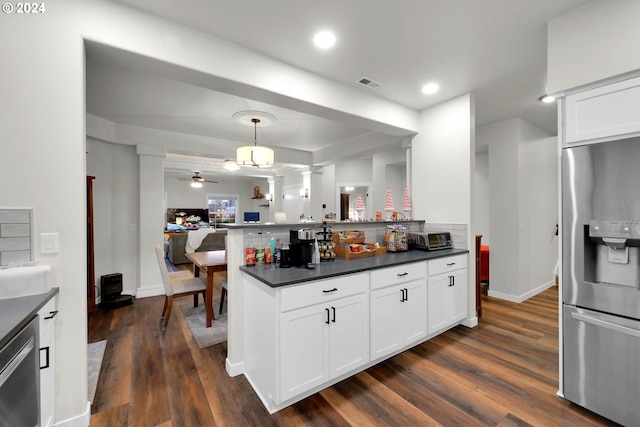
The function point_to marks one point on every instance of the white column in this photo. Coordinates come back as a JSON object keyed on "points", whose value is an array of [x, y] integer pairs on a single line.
{"points": [[275, 189], [312, 185], [151, 223]]}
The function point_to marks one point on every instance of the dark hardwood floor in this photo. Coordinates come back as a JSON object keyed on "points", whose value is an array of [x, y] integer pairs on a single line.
{"points": [[504, 372]]}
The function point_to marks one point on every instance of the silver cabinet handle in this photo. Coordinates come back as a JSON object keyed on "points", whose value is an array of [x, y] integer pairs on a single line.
{"points": [[607, 325]]}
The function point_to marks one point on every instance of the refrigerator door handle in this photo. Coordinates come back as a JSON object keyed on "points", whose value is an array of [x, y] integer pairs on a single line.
{"points": [[608, 325]]}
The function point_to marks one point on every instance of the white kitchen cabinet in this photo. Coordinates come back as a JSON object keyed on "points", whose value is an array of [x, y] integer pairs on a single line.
{"points": [[321, 342], [603, 113], [398, 308], [47, 320], [447, 292], [302, 337]]}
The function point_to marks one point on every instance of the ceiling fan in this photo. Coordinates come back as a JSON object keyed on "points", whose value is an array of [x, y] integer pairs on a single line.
{"points": [[197, 180]]}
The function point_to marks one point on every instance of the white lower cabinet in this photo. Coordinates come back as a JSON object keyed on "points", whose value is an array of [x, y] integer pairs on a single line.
{"points": [[46, 318], [325, 338], [398, 308], [447, 292], [306, 336], [321, 342]]}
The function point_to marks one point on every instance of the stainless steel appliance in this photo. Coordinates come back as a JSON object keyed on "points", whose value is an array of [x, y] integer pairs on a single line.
{"points": [[430, 241], [20, 379], [601, 278]]}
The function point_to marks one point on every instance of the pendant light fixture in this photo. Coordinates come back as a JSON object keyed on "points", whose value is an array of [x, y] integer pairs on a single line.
{"points": [[254, 155]]}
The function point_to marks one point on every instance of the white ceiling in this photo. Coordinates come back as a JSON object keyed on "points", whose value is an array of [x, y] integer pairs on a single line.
{"points": [[493, 48]]}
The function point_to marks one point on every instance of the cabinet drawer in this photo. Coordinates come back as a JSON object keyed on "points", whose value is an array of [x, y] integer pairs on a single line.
{"points": [[47, 314], [320, 291], [442, 265], [398, 274]]}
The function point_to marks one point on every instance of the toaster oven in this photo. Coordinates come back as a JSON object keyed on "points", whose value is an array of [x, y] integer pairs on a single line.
{"points": [[430, 241]]}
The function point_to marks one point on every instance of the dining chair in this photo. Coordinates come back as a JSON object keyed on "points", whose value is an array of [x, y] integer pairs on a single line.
{"points": [[223, 283], [177, 286]]}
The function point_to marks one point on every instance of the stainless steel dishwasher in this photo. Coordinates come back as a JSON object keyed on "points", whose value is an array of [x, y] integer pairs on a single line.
{"points": [[20, 379]]}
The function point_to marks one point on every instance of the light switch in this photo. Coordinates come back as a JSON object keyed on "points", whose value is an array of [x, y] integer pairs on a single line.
{"points": [[48, 243]]}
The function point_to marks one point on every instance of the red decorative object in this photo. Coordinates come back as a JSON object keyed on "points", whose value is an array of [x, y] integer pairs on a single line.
{"points": [[256, 193]]}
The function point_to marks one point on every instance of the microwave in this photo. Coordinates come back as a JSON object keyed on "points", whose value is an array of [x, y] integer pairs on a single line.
{"points": [[430, 241]]}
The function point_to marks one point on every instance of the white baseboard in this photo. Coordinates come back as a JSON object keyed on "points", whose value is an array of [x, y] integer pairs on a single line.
{"points": [[470, 322], [150, 292], [523, 297], [234, 370], [81, 420]]}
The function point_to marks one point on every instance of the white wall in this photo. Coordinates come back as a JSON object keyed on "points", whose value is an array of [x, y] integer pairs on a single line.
{"points": [[443, 166], [523, 179], [115, 208], [503, 205], [538, 193], [594, 42], [481, 213], [388, 168], [180, 194]]}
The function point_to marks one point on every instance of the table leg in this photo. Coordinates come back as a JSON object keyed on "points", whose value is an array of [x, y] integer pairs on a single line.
{"points": [[196, 270], [209, 297]]}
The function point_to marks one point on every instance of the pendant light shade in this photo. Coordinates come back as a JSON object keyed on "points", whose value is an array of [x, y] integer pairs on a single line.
{"points": [[253, 155]]}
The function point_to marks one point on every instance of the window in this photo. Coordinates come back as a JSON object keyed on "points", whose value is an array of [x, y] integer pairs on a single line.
{"points": [[222, 208]]}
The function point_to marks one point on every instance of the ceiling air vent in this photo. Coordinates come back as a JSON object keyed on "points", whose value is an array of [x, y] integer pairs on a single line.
{"points": [[369, 83]]}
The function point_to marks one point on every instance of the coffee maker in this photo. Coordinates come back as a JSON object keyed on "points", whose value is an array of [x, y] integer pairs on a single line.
{"points": [[301, 247]]}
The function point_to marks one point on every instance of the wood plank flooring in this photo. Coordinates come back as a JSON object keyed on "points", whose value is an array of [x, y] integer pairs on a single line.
{"points": [[504, 372]]}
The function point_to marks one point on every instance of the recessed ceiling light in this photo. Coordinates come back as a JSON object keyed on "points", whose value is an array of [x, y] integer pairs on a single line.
{"points": [[430, 88], [547, 99], [324, 39]]}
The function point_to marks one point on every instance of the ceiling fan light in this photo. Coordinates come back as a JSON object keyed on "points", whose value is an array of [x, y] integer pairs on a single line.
{"points": [[196, 184], [230, 165]]}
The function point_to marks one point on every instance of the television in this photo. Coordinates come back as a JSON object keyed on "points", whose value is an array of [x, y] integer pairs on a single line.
{"points": [[252, 217]]}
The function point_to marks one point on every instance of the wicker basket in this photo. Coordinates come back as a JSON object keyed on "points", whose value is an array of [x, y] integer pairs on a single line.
{"points": [[345, 252]]}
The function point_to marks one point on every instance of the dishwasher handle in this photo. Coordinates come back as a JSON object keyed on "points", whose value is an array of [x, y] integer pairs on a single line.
{"points": [[8, 369], [608, 325]]}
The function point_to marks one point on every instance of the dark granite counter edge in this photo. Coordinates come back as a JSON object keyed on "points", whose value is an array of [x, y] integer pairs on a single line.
{"points": [[17, 312], [278, 277], [297, 225]]}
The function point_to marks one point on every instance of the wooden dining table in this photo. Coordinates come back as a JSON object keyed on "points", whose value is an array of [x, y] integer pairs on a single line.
{"points": [[211, 261]]}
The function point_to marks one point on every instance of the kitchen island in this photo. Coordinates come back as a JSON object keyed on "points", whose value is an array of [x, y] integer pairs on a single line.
{"points": [[306, 329]]}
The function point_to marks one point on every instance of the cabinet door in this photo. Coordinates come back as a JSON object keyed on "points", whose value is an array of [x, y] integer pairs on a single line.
{"points": [[438, 292], [447, 299], [47, 391], [348, 334], [605, 112], [304, 350], [47, 327], [414, 312], [458, 295], [385, 321]]}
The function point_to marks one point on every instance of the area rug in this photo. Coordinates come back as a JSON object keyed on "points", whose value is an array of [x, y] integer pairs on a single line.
{"points": [[95, 353], [196, 319]]}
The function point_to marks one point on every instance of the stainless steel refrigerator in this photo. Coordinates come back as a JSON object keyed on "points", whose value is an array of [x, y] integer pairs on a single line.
{"points": [[601, 278]]}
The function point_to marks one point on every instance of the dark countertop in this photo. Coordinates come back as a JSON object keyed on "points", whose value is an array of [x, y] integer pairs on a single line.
{"points": [[276, 276], [298, 225], [15, 313]]}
